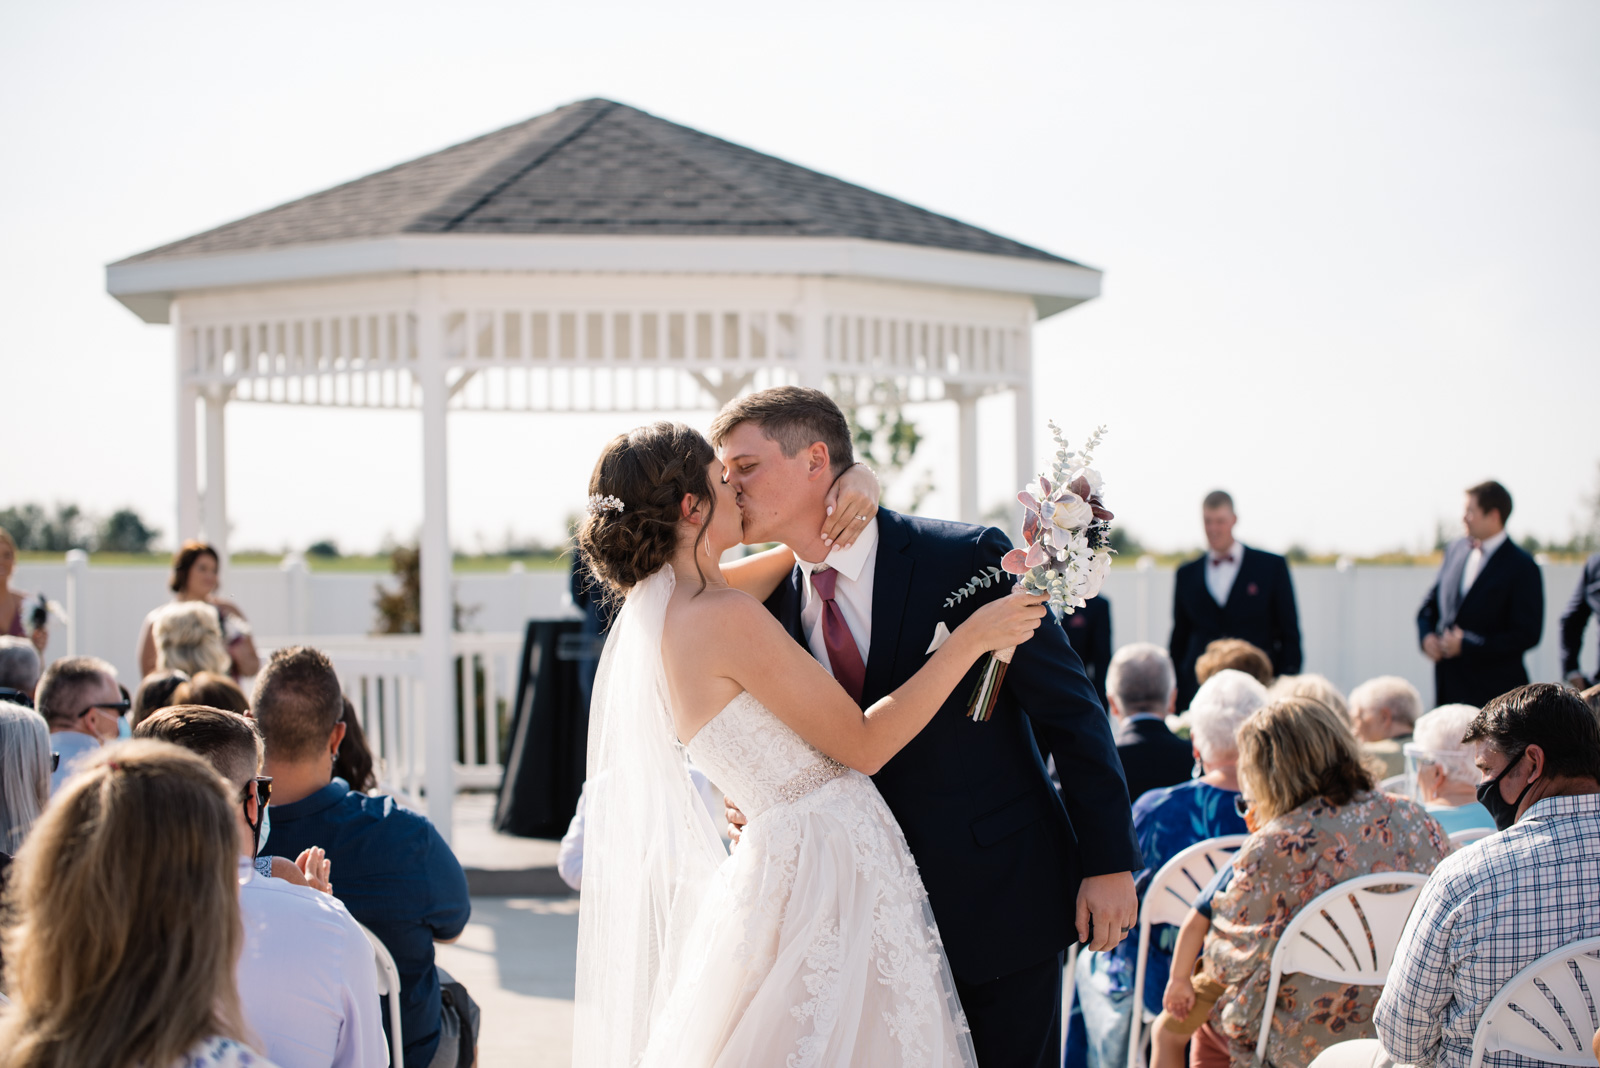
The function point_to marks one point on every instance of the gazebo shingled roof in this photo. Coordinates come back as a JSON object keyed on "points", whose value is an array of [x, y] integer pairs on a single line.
{"points": [[596, 167]]}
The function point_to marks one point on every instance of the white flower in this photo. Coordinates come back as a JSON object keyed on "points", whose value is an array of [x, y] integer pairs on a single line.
{"points": [[1097, 574], [1093, 477], [1072, 512]]}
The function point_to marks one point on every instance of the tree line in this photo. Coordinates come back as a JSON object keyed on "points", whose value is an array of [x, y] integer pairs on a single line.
{"points": [[66, 526]]}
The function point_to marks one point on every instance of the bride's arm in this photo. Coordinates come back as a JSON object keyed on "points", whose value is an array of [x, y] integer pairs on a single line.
{"points": [[760, 573], [854, 494], [758, 655]]}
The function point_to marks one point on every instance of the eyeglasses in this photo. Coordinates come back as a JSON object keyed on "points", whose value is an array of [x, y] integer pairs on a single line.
{"points": [[118, 707], [55, 763], [1241, 805], [262, 785]]}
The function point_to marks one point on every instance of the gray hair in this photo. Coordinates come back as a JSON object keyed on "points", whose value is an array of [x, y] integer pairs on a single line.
{"points": [[1393, 693], [1439, 733], [1141, 678], [188, 637], [19, 663], [63, 685], [24, 772], [1219, 709]]}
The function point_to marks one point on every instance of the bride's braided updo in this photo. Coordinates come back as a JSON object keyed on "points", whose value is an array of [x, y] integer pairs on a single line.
{"points": [[631, 530]]}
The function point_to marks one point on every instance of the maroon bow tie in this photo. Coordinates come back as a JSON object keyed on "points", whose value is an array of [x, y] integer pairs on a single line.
{"points": [[1218, 561], [1476, 544]]}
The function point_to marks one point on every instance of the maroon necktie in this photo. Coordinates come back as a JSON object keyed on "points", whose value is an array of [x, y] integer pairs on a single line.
{"points": [[843, 653], [1218, 561]]}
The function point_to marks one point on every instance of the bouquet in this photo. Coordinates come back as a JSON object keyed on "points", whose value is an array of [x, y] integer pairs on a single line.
{"points": [[1067, 530]]}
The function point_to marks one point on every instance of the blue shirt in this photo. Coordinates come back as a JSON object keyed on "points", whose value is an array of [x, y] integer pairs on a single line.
{"points": [[397, 877], [1168, 821], [1219, 882], [1457, 818]]}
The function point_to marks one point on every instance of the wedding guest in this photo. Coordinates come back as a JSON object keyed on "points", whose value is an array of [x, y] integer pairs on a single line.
{"points": [[1142, 689], [24, 773], [155, 693], [1585, 602], [14, 604], [353, 761], [195, 578], [1383, 712], [80, 700], [1237, 654], [306, 976], [1321, 822], [127, 926], [1591, 697], [395, 873], [1447, 778], [1231, 591], [188, 638], [1492, 909], [1167, 822], [1316, 687], [1486, 608], [214, 691], [19, 670], [1089, 633]]}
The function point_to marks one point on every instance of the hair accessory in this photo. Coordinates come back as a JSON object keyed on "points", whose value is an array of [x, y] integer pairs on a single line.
{"points": [[607, 503]]}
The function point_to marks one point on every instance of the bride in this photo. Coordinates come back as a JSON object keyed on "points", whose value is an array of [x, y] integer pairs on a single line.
{"points": [[813, 943]]}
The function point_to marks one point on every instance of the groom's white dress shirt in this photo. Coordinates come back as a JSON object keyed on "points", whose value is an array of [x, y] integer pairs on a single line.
{"points": [[853, 593], [1221, 571], [1476, 558]]}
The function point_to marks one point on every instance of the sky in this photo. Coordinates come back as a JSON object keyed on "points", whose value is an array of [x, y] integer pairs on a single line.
{"points": [[1349, 250]]}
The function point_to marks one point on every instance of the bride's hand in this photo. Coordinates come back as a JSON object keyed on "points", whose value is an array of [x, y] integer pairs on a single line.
{"points": [[1004, 622], [852, 502]]}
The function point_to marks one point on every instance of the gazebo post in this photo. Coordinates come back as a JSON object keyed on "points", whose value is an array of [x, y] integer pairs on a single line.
{"points": [[439, 720], [216, 498], [188, 472], [967, 467]]}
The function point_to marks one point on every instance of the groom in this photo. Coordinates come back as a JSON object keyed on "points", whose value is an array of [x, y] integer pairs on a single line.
{"points": [[1015, 871]]}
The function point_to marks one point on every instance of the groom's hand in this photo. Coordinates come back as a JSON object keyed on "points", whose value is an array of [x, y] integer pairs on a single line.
{"points": [[736, 820], [1108, 908]]}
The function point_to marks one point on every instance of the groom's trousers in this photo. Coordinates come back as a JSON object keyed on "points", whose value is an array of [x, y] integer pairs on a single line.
{"points": [[1016, 1019]]}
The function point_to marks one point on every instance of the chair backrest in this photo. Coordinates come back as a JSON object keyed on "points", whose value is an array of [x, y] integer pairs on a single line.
{"points": [[1547, 1012], [1471, 834], [1346, 934], [1394, 784], [1172, 890], [388, 986]]}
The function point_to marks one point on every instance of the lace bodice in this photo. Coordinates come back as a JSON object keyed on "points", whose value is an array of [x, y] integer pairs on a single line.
{"points": [[754, 756]]}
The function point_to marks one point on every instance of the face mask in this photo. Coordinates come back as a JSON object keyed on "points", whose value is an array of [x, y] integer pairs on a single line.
{"points": [[1489, 796], [124, 732]]}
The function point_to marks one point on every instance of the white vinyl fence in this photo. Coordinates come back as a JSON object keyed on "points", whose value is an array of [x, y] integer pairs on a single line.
{"points": [[1356, 623]]}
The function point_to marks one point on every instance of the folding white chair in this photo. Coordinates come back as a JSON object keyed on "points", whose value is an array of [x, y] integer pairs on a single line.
{"points": [[388, 985], [1329, 938], [1547, 1011], [1168, 899], [1394, 784], [1471, 834]]}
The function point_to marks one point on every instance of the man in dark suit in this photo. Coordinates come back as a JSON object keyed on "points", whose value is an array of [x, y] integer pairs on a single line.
{"points": [[1143, 690], [1233, 591], [1585, 602], [1015, 870], [1089, 632], [1485, 609]]}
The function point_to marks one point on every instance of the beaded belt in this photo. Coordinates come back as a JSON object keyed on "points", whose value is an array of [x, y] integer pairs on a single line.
{"points": [[823, 771]]}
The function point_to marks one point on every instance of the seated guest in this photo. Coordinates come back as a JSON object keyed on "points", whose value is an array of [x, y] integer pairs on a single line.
{"points": [[214, 691], [19, 670], [353, 761], [1235, 654], [1492, 909], [1320, 823], [1167, 822], [187, 636], [1591, 697], [24, 772], [155, 693], [125, 937], [1382, 713], [80, 700], [1447, 778], [1143, 690], [306, 976], [1316, 687], [393, 870]]}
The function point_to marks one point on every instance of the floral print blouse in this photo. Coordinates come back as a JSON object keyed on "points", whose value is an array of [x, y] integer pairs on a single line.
{"points": [[1278, 871], [222, 1053]]}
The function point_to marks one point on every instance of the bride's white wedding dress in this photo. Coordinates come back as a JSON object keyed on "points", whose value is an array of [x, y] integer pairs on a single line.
{"points": [[812, 944]]}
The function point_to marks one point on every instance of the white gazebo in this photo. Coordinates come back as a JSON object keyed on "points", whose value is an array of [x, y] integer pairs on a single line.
{"points": [[595, 258]]}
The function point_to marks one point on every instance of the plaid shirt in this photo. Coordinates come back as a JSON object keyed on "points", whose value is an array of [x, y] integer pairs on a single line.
{"points": [[1490, 910]]}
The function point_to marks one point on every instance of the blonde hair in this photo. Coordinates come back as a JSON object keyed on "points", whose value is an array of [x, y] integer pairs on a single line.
{"points": [[124, 908], [1297, 749], [1316, 687], [1233, 654], [188, 637], [24, 772]]}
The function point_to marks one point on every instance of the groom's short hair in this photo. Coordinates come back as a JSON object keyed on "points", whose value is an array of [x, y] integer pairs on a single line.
{"points": [[794, 417]]}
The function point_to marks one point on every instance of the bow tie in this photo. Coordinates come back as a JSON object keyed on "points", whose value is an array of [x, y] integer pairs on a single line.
{"points": [[1218, 561], [1476, 543]]}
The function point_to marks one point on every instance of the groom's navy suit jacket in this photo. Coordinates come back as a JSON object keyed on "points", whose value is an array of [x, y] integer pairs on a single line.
{"points": [[1000, 851]]}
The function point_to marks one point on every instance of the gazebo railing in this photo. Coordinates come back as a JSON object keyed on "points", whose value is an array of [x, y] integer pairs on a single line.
{"points": [[382, 676]]}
